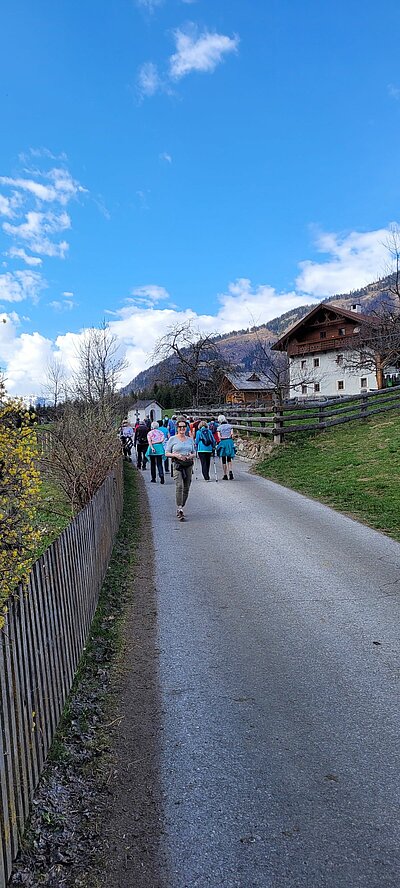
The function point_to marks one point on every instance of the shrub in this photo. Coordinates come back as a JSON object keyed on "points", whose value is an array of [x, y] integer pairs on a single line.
{"points": [[19, 496]]}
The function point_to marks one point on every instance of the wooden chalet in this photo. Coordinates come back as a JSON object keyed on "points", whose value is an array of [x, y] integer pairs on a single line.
{"points": [[318, 348], [247, 388]]}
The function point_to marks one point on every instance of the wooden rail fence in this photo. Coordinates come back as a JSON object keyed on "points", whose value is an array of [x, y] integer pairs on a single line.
{"points": [[308, 416], [45, 632]]}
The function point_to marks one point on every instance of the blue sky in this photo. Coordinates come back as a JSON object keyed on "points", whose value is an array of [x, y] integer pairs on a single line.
{"points": [[160, 159]]}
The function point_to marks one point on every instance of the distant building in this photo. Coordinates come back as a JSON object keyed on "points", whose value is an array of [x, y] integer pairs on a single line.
{"points": [[247, 388], [141, 409], [319, 347]]}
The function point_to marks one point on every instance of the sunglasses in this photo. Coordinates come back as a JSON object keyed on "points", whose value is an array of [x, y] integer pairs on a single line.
{"points": [[181, 426]]}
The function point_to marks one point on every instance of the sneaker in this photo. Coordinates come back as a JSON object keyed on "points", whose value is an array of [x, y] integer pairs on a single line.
{"points": [[225, 477], [180, 515], [161, 480], [153, 481], [231, 476]]}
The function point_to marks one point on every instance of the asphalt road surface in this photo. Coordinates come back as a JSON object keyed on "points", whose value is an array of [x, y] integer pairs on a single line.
{"points": [[278, 635]]}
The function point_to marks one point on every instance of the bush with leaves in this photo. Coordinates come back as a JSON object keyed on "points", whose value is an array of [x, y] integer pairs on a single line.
{"points": [[19, 496]]}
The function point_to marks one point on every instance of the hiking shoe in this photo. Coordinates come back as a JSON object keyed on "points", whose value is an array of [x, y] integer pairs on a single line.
{"points": [[231, 476]]}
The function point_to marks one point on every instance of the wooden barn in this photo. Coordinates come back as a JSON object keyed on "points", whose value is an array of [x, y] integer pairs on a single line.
{"points": [[247, 388]]}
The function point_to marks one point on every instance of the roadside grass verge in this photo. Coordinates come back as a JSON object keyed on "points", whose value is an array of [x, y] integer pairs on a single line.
{"points": [[52, 515], [353, 468], [62, 836]]}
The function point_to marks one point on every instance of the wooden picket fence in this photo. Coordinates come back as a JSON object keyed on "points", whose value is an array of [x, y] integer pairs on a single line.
{"points": [[45, 632]]}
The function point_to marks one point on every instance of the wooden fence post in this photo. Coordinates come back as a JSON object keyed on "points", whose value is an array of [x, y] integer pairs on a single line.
{"points": [[364, 405], [278, 428]]}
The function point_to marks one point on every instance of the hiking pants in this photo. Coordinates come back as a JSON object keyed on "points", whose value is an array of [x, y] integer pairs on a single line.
{"points": [[156, 460], [205, 459], [183, 482], [141, 458]]}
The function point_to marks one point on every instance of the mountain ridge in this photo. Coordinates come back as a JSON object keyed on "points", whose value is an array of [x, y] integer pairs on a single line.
{"points": [[239, 346]]}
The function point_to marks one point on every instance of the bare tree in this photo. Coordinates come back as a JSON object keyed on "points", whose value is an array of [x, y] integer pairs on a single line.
{"points": [[377, 344], [55, 383], [83, 449], [392, 269], [276, 367], [192, 358], [100, 365]]}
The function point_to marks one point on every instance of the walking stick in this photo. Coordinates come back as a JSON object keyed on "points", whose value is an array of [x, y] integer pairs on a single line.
{"points": [[215, 468]]}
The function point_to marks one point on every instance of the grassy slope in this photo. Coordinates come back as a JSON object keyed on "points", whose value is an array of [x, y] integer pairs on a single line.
{"points": [[354, 468]]}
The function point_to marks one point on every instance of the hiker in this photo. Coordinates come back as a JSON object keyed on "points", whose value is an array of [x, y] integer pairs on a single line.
{"points": [[182, 450], [164, 428], [172, 425], [126, 435], [213, 426], [226, 448], [205, 444], [155, 452], [141, 444]]}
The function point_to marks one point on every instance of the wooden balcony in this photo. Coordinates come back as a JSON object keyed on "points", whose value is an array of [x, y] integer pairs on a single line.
{"points": [[320, 345]]}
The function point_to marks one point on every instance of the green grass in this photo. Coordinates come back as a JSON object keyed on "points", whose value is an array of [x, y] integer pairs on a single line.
{"points": [[354, 468], [52, 516]]}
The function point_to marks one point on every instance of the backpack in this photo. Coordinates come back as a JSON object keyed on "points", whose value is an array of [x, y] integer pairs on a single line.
{"points": [[207, 438]]}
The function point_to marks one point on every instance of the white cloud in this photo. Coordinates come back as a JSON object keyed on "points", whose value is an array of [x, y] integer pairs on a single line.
{"points": [[62, 187], [351, 261], [148, 81], [62, 304], [37, 230], [19, 285], [199, 53], [16, 253], [149, 5], [166, 157], [355, 260], [394, 91], [8, 205]]}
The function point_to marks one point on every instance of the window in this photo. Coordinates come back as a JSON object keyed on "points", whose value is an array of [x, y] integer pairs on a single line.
{"points": [[304, 390], [316, 387], [303, 364], [364, 382], [342, 331], [340, 385], [339, 360], [316, 362], [322, 334]]}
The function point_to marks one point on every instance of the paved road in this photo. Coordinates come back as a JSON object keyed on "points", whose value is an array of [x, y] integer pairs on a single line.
{"points": [[278, 633]]}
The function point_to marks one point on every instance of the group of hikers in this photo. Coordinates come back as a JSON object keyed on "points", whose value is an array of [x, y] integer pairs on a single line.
{"points": [[172, 445]]}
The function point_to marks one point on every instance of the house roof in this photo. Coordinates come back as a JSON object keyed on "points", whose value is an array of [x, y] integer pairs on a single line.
{"points": [[249, 382], [142, 404], [328, 306]]}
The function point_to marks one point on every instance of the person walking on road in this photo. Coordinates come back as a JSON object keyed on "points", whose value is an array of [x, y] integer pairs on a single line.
{"points": [[205, 444], [155, 451], [226, 448], [141, 443], [182, 450]]}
